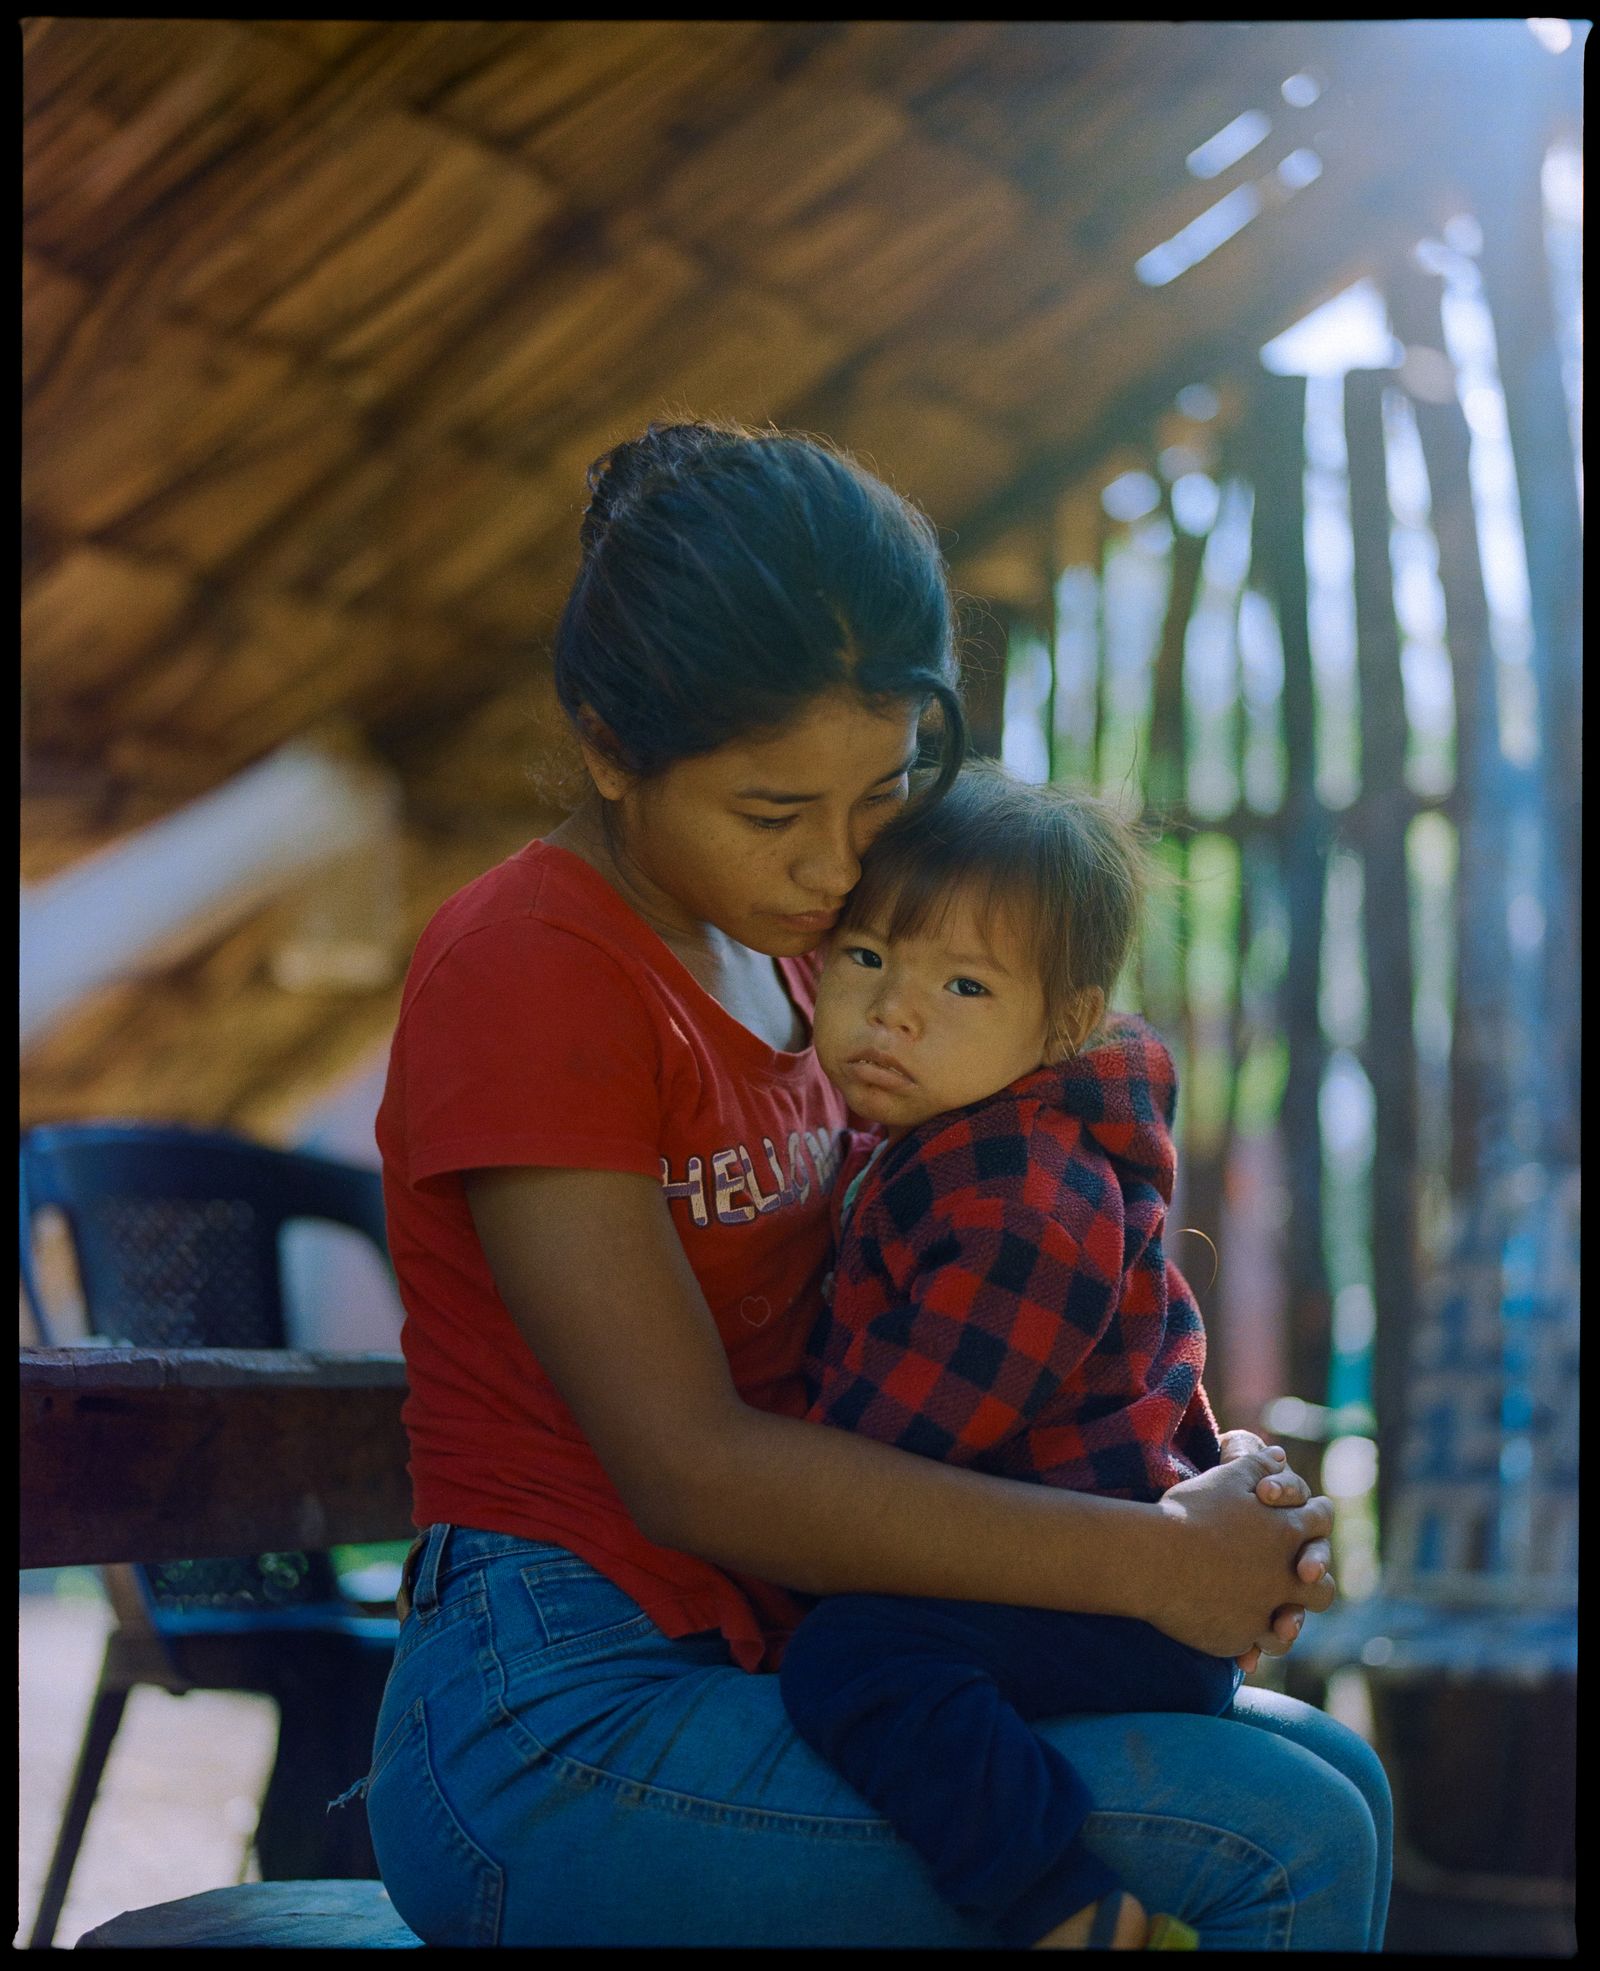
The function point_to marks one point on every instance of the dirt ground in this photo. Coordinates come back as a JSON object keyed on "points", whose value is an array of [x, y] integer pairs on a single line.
{"points": [[176, 1807]]}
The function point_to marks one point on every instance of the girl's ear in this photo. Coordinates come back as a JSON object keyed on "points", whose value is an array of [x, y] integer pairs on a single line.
{"points": [[597, 746]]}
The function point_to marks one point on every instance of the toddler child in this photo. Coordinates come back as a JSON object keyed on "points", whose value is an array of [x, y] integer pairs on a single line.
{"points": [[1001, 1299]]}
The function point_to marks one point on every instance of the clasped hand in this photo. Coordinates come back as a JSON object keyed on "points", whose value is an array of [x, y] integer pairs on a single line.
{"points": [[1218, 1557], [1286, 1488]]}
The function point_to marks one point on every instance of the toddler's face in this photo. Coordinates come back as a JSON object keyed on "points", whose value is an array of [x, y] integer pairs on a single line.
{"points": [[911, 1028]]}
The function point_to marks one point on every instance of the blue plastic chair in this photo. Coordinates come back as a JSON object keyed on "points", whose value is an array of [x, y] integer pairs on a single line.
{"points": [[176, 1234]]}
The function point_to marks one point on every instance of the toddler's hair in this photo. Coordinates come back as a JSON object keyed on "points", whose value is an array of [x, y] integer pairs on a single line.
{"points": [[1068, 870]]}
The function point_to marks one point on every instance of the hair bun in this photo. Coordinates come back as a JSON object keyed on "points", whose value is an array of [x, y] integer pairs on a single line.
{"points": [[621, 475]]}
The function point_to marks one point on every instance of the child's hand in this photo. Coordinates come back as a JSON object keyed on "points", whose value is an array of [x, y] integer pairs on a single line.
{"points": [[1282, 1488]]}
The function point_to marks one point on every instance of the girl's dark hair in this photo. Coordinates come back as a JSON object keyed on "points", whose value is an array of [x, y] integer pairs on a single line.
{"points": [[730, 576], [1068, 870]]}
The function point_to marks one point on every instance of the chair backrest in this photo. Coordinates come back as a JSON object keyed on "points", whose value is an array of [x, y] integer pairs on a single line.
{"points": [[176, 1231], [176, 1235]]}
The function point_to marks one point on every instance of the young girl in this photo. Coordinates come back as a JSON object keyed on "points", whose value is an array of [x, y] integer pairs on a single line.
{"points": [[608, 1157], [1002, 1300]]}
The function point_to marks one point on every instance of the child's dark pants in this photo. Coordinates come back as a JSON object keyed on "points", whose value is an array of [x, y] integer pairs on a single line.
{"points": [[922, 1705]]}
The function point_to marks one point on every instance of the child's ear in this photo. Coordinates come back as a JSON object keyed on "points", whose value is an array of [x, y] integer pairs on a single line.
{"points": [[1067, 1039], [1092, 1010]]}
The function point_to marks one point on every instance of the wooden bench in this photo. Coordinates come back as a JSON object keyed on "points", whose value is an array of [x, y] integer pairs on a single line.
{"points": [[262, 1915], [177, 1454]]}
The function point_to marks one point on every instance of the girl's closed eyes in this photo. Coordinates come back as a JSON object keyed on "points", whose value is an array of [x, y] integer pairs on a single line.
{"points": [[787, 820]]}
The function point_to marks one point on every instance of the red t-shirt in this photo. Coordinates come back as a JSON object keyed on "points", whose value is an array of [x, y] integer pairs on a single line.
{"points": [[543, 1022]]}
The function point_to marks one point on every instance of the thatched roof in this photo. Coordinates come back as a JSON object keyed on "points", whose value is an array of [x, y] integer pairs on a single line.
{"points": [[324, 320]]}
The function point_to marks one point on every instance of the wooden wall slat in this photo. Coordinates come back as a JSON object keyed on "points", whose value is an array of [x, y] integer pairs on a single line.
{"points": [[1050, 633], [1274, 441], [1206, 1156], [1516, 279], [1165, 788], [1480, 1039], [1167, 779], [1102, 708], [1390, 1051]]}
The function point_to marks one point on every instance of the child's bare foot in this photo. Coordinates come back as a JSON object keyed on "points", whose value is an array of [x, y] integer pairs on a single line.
{"points": [[1133, 1928]]}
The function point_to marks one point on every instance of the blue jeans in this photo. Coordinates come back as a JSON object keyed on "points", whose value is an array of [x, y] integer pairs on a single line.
{"points": [[548, 1768], [923, 1705]]}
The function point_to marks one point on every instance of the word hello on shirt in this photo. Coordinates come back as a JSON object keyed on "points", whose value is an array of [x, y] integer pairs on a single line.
{"points": [[738, 1193]]}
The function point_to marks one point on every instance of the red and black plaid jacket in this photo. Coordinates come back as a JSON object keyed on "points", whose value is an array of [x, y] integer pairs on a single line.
{"points": [[1001, 1297]]}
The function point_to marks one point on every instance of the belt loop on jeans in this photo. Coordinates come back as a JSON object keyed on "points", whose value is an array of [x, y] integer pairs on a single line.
{"points": [[419, 1577]]}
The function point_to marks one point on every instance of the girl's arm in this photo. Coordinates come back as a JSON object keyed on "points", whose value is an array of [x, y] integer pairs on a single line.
{"points": [[593, 1273]]}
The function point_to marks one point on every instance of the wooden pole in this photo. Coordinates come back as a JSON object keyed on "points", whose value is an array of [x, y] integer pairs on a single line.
{"points": [[1102, 632], [1049, 630], [1481, 1031], [1516, 278], [1276, 452], [1390, 1051], [1167, 782]]}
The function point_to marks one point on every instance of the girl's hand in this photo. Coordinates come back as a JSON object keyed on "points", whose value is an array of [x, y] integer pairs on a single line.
{"points": [[1282, 1487], [1232, 1566]]}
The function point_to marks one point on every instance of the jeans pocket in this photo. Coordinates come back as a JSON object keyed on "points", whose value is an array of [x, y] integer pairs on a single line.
{"points": [[442, 1884], [577, 1611]]}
